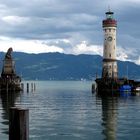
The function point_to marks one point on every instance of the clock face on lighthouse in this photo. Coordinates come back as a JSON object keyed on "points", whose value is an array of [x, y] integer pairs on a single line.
{"points": [[109, 38]]}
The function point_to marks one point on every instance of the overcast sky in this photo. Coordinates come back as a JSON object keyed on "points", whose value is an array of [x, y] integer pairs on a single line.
{"points": [[68, 26]]}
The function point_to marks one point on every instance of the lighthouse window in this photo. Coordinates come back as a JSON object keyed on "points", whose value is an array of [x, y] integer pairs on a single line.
{"points": [[109, 55], [109, 30]]}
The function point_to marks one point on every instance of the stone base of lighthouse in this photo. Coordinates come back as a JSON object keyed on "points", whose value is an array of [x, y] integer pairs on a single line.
{"points": [[111, 86]]}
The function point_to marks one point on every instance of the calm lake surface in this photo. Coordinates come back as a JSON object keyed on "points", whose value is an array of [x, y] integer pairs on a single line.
{"points": [[67, 110]]}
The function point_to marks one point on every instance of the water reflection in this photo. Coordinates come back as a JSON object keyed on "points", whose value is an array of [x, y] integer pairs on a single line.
{"points": [[8, 99], [109, 117]]}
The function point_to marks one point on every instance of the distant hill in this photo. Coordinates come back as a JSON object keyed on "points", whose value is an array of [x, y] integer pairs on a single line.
{"points": [[58, 66]]}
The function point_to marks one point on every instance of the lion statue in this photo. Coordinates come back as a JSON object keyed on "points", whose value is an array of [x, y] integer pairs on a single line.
{"points": [[8, 54]]}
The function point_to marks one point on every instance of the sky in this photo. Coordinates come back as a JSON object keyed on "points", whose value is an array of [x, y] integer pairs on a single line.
{"points": [[69, 26]]}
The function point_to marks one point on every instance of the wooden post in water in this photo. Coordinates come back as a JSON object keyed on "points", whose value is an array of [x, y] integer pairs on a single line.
{"points": [[7, 86], [22, 86], [32, 89], [19, 124], [27, 87]]}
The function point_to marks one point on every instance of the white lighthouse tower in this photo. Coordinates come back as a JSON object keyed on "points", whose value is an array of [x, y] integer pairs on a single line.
{"points": [[109, 69], [110, 83]]}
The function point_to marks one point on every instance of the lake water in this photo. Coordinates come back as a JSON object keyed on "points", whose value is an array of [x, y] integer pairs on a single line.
{"points": [[67, 110]]}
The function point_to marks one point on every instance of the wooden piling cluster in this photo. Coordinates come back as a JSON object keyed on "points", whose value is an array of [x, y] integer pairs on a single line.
{"points": [[28, 86], [19, 124]]}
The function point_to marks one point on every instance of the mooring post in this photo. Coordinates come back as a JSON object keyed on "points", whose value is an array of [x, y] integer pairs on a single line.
{"points": [[27, 87], [19, 124], [7, 86], [22, 86], [32, 87]]}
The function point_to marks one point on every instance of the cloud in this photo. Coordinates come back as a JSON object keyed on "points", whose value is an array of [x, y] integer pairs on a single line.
{"points": [[121, 54], [85, 48], [15, 20], [28, 46], [68, 26]]}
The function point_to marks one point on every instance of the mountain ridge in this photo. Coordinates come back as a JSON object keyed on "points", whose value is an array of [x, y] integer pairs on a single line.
{"points": [[60, 66]]}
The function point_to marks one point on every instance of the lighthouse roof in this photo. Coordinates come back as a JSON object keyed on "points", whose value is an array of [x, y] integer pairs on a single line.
{"points": [[109, 13]]}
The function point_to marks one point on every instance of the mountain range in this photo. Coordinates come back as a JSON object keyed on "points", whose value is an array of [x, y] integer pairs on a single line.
{"points": [[59, 66]]}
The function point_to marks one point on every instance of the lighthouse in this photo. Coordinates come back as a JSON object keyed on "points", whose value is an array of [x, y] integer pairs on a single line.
{"points": [[110, 83], [109, 69]]}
